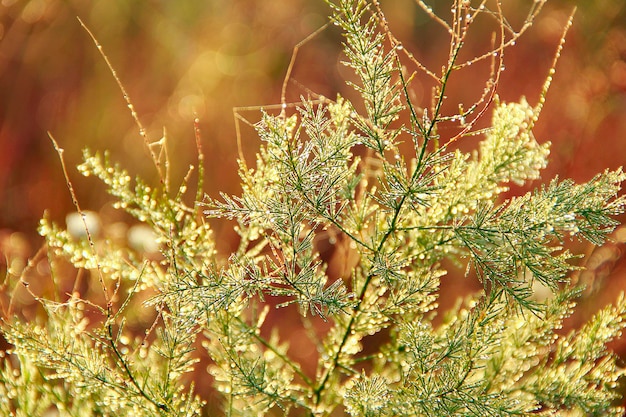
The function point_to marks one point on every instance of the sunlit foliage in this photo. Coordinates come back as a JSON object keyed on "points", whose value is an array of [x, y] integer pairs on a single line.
{"points": [[378, 174]]}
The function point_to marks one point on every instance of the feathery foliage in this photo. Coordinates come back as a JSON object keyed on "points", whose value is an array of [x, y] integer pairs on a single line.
{"points": [[377, 175]]}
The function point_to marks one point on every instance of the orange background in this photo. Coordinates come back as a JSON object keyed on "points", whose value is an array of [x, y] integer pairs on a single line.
{"points": [[179, 60]]}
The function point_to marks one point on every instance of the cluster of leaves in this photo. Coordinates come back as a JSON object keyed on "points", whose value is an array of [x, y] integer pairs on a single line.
{"points": [[335, 169]]}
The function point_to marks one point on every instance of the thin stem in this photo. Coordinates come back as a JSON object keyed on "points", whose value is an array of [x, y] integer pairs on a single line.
{"points": [[129, 373], [292, 62], [200, 182], [60, 151], [285, 358], [164, 177]]}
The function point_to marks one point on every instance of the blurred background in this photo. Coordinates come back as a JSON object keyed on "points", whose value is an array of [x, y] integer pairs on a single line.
{"points": [[201, 58]]}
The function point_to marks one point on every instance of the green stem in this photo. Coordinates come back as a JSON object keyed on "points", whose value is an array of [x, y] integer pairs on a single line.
{"points": [[271, 347], [129, 373], [390, 231]]}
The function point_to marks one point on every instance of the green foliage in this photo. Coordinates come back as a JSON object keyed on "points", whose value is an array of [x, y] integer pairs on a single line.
{"points": [[340, 170]]}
